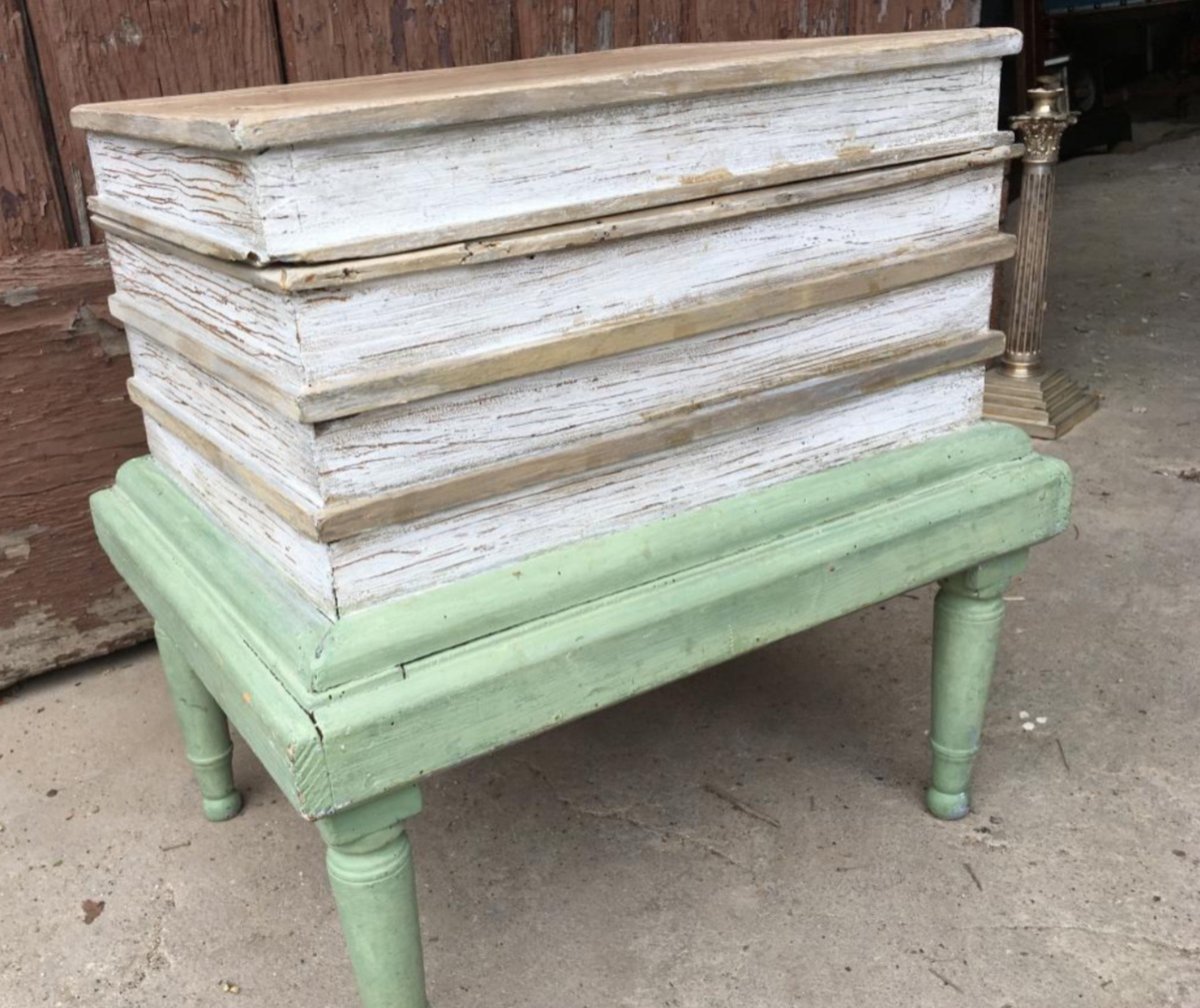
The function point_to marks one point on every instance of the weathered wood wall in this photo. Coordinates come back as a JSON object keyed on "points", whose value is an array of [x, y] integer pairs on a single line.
{"points": [[61, 368], [31, 216], [67, 426], [109, 49]]}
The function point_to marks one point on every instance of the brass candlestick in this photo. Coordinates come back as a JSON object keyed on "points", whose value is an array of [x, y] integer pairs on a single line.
{"points": [[1019, 389]]}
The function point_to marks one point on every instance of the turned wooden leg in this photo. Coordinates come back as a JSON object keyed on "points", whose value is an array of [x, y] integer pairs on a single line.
{"points": [[205, 732], [966, 631], [370, 869]]}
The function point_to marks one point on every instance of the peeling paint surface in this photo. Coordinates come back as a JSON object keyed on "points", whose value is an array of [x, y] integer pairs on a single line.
{"points": [[68, 425]]}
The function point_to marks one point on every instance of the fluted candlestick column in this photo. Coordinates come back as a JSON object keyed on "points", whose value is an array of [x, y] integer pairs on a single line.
{"points": [[1019, 388]]}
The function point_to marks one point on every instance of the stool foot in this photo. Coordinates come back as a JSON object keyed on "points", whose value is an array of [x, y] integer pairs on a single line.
{"points": [[947, 806], [369, 860], [966, 631], [205, 732]]}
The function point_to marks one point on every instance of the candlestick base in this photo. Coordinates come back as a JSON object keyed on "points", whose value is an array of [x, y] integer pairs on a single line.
{"points": [[1043, 405]]}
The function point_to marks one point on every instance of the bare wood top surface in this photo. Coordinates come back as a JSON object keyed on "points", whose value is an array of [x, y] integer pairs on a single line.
{"points": [[256, 118]]}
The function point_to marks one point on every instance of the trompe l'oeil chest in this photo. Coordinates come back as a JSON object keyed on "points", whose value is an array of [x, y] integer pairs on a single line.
{"points": [[398, 331]]}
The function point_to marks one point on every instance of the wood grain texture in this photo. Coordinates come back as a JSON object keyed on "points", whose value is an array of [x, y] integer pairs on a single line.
{"points": [[813, 18], [365, 569], [67, 426], [554, 411], [410, 336], [365, 37], [462, 33], [605, 24], [543, 28], [362, 37], [301, 560], [282, 454], [920, 162], [547, 425], [382, 388], [877, 16], [356, 38], [343, 517], [200, 194], [718, 21], [255, 119], [321, 202], [187, 296], [218, 226], [31, 214], [106, 50], [663, 22]]}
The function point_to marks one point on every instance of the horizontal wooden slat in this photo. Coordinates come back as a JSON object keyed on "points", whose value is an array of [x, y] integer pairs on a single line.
{"points": [[375, 391], [346, 518], [378, 451], [651, 330], [928, 161], [254, 119], [401, 559], [294, 512], [340, 520], [462, 609], [263, 376], [273, 394], [381, 194]]}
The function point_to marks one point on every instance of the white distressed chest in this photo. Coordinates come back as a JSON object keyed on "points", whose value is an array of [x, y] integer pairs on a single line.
{"points": [[397, 331]]}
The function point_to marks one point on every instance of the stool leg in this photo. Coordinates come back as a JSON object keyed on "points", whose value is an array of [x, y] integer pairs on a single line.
{"points": [[205, 732], [966, 631], [369, 860]]}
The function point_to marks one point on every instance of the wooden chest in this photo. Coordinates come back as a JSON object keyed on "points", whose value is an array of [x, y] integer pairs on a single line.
{"points": [[481, 399], [403, 330]]}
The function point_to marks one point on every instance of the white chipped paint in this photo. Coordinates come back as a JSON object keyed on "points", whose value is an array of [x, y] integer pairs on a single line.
{"points": [[322, 201], [446, 314], [405, 558], [386, 450], [197, 192], [303, 562], [254, 328], [374, 452], [515, 302], [279, 452]]}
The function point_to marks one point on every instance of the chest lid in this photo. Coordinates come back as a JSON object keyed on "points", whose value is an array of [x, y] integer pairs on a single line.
{"points": [[314, 172]]}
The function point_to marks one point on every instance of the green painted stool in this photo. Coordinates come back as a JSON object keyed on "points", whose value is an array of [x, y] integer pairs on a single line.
{"points": [[349, 716]]}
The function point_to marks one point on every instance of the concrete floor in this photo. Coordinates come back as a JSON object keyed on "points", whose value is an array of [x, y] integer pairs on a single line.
{"points": [[593, 867]]}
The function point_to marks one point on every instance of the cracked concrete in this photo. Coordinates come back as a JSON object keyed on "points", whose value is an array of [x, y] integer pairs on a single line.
{"points": [[600, 864]]}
